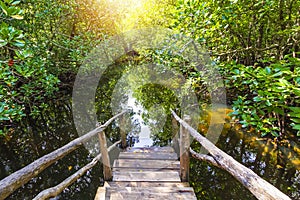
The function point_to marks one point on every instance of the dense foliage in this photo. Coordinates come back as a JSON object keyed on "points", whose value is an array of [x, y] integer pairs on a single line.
{"points": [[255, 45], [43, 43], [26, 82]]}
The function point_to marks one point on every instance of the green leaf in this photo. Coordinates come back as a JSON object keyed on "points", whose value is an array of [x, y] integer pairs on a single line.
{"points": [[12, 11], [296, 120], [257, 99], [296, 91], [274, 133], [293, 114], [277, 74], [236, 71], [3, 43], [268, 103], [278, 110], [2, 118], [19, 43], [19, 17], [15, 3], [4, 7], [268, 70], [283, 82], [296, 127], [295, 109]]}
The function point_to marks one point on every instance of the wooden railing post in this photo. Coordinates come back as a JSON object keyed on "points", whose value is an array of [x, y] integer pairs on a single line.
{"points": [[122, 132], [105, 156], [175, 139], [184, 151]]}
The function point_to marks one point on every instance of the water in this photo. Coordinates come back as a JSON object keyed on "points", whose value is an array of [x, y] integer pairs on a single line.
{"points": [[144, 139], [276, 162]]}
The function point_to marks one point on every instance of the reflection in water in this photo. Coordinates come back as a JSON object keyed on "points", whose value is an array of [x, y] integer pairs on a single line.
{"points": [[275, 161], [34, 138], [141, 139]]}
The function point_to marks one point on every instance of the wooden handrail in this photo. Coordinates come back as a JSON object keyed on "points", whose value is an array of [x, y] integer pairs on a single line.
{"points": [[259, 187], [56, 190], [12, 182]]}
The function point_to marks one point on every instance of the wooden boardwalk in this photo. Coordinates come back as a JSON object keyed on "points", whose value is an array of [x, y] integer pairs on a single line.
{"points": [[146, 173]]}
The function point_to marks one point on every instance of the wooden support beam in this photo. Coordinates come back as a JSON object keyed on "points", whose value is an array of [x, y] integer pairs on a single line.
{"points": [[107, 172], [184, 151], [122, 131], [175, 138]]}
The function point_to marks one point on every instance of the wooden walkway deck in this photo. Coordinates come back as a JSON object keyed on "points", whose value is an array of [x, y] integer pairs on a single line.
{"points": [[146, 173]]}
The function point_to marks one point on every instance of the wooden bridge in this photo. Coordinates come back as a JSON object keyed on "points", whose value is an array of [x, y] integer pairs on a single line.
{"points": [[146, 173], [143, 173]]}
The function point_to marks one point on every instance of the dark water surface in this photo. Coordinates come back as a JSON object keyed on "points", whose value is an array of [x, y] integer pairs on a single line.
{"points": [[276, 162]]}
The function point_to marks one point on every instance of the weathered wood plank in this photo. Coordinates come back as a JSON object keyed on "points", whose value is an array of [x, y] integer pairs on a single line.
{"points": [[146, 164], [146, 170], [151, 196], [150, 149], [148, 156], [150, 193], [147, 173], [147, 184], [158, 190], [146, 176]]}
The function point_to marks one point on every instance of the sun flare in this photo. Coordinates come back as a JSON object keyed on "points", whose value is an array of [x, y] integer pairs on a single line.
{"points": [[130, 13]]}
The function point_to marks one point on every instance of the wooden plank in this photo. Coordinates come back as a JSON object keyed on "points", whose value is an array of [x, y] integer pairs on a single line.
{"points": [[149, 155], [146, 176], [158, 190], [146, 164], [150, 149], [147, 184], [150, 193], [147, 173], [146, 170], [151, 196]]}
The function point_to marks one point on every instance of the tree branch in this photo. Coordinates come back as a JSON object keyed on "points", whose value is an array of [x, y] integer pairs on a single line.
{"points": [[205, 158]]}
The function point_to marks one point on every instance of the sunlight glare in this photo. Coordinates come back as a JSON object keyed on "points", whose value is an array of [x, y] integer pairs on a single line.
{"points": [[130, 12]]}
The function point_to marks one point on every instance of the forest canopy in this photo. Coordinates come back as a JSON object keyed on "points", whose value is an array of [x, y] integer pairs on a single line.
{"points": [[253, 44]]}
